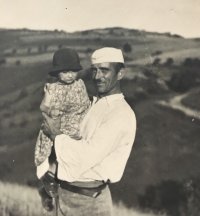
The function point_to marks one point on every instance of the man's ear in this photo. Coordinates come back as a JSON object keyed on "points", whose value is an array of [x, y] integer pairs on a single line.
{"points": [[121, 74]]}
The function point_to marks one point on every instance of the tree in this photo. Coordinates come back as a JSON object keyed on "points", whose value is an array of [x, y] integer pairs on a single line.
{"points": [[196, 62], [183, 80], [156, 61], [127, 48], [169, 62], [189, 62]]}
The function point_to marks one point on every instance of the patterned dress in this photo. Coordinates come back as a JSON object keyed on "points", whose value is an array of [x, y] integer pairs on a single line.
{"points": [[71, 102]]}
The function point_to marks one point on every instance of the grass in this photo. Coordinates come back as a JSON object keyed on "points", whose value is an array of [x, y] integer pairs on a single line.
{"points": [[192, 100], [17, 200]]}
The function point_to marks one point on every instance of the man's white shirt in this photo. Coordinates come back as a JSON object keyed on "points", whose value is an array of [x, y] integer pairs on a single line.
{"points": [[108, 132]]}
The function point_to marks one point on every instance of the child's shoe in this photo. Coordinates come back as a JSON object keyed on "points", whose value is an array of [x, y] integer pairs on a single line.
{"points": [[47, 201], [48, 191]]}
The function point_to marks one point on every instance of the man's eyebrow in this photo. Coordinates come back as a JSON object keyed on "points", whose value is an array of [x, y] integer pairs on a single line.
{"points": [[104, 68]]}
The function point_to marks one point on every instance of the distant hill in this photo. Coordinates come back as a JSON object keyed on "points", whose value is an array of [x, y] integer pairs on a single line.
{"points": [[25, 42]]}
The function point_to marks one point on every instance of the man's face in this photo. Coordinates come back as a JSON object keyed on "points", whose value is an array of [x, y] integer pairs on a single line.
{"points": [[105, 78]]}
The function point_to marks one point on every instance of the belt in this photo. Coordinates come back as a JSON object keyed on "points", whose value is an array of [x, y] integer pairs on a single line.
{"points": [[87, 191]]}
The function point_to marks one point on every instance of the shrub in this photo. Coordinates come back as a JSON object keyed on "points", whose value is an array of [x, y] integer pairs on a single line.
{"points": [[173, 197], [169, 62], [157, 52], [2, 61], [189, 62], [183, 80], [127, 48], [18, 62], [156, 61], [89, 50], [167, 196], [150, 73]]}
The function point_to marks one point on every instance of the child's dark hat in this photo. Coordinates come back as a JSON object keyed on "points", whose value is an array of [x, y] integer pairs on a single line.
{"points": [[65, 59]]}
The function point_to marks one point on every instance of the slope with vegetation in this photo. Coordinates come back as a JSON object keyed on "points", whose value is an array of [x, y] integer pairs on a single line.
{"points": [[166, 151]]}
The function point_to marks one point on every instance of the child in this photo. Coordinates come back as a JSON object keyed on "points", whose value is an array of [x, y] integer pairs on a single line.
{"points": [[66, 98]]}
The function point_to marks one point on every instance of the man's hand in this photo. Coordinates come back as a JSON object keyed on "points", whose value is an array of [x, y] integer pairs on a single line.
{"points": [[51, 126]]}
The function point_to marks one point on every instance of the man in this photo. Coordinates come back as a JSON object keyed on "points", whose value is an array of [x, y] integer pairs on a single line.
{"points": [[86, 166]]}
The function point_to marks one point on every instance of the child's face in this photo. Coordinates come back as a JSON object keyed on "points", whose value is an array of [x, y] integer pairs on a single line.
{"points": [[67, 77]]}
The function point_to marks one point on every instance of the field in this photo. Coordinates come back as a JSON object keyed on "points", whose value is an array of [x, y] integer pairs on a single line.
{"points": [[24, 201], [162, 173], [192, 100]]}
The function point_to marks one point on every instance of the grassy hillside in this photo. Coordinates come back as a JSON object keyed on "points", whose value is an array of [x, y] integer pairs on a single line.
{"points": [[166, 150], [29, 204]]}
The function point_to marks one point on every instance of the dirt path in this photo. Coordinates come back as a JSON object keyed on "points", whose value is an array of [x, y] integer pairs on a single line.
{"points": [[175, 103]]}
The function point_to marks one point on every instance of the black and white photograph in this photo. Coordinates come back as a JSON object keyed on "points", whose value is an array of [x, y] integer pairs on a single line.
{"points": [[99, 108]]}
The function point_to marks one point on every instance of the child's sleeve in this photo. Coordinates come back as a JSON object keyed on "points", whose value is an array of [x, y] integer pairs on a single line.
{"points": [[46, 102]]}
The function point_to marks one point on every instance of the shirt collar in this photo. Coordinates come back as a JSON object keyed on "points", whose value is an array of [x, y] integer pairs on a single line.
{"points": [[109, 99]]}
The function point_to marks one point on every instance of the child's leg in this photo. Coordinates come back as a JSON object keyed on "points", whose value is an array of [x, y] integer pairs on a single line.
{"points": [[52, 161], [52, 169], [49, 190]]}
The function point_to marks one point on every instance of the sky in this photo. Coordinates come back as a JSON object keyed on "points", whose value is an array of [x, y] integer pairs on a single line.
{"points": [[175, 16]]}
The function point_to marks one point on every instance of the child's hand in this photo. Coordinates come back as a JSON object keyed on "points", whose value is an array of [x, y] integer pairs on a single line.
{"points": [[54, 113]]}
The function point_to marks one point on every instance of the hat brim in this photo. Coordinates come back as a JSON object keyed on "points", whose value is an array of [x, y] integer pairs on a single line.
{"points": [[57, 69]]}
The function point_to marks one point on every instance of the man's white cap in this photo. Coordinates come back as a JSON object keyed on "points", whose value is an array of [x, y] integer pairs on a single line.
{"points": [[107, 54]]}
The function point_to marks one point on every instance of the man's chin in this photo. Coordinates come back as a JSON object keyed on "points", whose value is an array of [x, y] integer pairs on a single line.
{"points": [[100, 90]]}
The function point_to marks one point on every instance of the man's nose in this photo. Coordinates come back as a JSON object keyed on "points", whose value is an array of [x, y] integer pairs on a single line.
{"points": [[98, 75]]}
